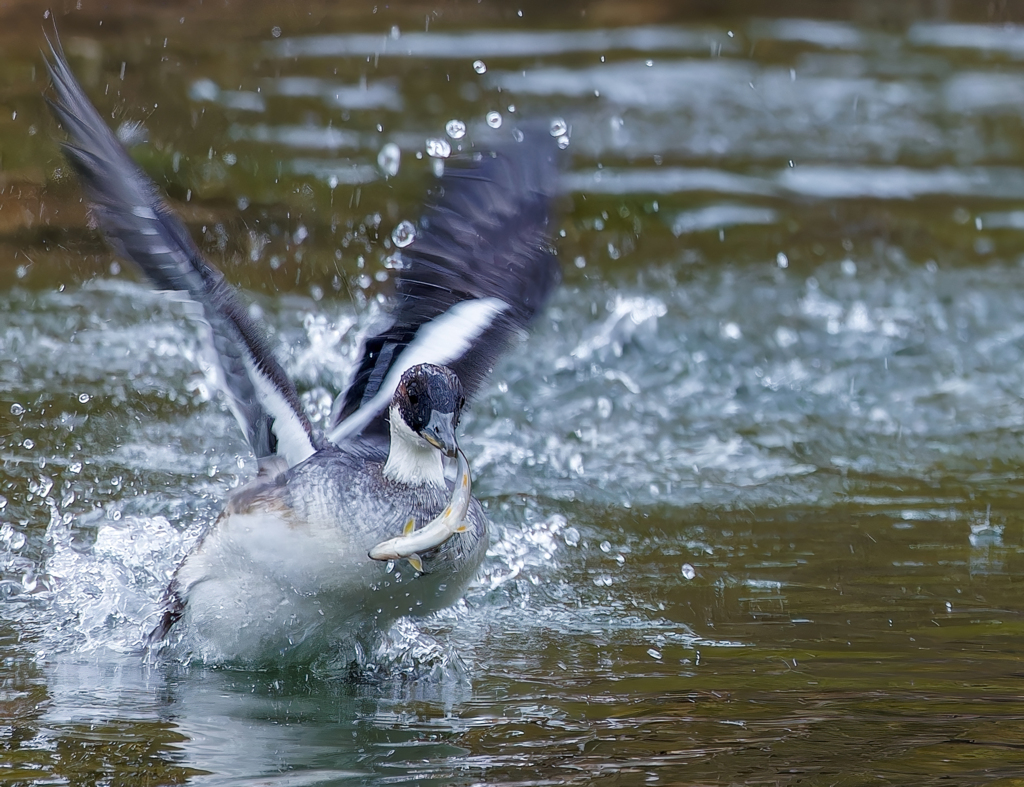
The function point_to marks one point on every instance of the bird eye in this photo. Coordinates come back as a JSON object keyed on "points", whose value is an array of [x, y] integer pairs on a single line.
{"points": [[414, 399]]}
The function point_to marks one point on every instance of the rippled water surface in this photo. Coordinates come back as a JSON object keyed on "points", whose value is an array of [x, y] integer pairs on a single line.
{"points": [[754, 478]]}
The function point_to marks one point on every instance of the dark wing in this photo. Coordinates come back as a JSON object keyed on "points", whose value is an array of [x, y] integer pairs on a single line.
{"points": [[478, 271], [140, 226]]}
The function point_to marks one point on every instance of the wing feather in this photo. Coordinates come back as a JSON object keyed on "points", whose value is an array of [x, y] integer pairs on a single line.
{"points": [[478, 271], [141, 227]]}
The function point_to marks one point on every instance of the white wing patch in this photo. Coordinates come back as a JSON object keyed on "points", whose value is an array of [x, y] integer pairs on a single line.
{"points": [[440, 341], [293, 442]]}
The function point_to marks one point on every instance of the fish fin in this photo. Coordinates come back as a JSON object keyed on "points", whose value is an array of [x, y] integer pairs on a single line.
{"points": [[410, 526], [415, 562]]}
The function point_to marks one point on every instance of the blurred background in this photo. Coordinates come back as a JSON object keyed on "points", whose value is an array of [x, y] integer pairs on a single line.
{"points": [[754, 478]]}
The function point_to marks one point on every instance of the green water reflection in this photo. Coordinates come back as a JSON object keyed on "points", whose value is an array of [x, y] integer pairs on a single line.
{"points": [[755, 478]]}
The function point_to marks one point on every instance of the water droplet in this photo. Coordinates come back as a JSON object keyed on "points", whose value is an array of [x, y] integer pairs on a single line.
{"points": [[28, 443], [480, 66], [389, 158], [41, 486], [455, 129], [606, 546], [571, 536], [438, 148], [394, 262], [275, 31], [782, 260], [17, 409], [332, 181], [83, 398], [75, 467], [403, 234], [688, 571], [563, 142], [494, 119]]}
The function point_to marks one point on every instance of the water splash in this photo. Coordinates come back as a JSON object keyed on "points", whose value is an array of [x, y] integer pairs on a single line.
{"points": [[631, 319], [108, 596]]}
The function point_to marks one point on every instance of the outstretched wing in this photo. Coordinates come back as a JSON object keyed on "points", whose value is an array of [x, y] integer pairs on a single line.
{"points": [[477, 272], [140, 226]]}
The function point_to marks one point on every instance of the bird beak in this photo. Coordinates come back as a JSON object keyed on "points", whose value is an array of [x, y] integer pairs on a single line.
{"points": [[440, 433]]}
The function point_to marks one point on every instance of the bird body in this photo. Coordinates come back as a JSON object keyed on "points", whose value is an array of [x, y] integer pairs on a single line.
{"points": [[285, 566], [284, 571]]}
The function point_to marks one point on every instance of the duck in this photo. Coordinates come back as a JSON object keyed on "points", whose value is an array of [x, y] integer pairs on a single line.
{"points": [[285, 572]]}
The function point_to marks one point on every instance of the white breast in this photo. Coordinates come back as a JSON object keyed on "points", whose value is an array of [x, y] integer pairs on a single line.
{"points": [[411, 459], [259, 584], [284, 575]]}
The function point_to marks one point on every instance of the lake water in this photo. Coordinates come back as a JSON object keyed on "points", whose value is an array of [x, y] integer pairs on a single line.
{"points": [[754, 478]]}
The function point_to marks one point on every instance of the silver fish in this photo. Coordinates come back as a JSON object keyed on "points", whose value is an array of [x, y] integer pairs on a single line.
{"points": [[438, 530]]}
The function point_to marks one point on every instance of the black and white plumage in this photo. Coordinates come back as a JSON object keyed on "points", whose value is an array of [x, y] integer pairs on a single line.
{"points": [[141, 228], [284, 569], [478, 271]]}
